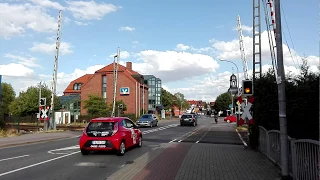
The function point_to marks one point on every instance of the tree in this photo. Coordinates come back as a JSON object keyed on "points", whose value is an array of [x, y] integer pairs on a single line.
{"points": [[8, 95], [223, 100], [180, 101], [27, 102], [167, 98], [96, 106]]}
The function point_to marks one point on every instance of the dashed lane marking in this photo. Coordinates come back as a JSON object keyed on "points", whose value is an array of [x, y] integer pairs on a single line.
{"points": [[159, 129]]}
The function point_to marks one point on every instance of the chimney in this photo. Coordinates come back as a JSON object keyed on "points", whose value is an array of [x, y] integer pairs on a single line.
{"points": [[129, 65]]}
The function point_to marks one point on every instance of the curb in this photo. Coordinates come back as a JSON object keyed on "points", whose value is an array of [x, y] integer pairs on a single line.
{"points": [[33, 142], [244, 143]]}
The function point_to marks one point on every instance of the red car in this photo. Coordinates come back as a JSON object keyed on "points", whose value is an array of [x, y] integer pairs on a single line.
{"points": [[110, 133], [230, 119]]}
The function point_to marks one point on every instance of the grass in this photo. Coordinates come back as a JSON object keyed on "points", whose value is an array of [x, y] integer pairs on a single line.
{"points": [[8, 133]]}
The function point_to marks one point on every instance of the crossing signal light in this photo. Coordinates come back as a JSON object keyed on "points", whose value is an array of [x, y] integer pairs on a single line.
{"points": [[120, 106], [42, 101], [247, 87]]}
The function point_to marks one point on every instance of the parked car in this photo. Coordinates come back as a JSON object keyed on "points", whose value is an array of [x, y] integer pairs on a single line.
{"points": [[189, 119], [147, 120], [230, 119], [111, 133]]}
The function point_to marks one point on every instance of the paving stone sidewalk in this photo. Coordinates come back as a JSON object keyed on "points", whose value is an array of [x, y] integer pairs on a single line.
{"points": [[189, 161], [37, 137]]}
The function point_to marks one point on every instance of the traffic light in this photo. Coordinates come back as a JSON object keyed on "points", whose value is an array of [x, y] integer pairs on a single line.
{"points": [[247, 88], [120, 106], [42, 101]]}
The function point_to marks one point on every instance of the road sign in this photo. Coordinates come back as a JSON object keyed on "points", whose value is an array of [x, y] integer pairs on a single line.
{"points": [[230, 105], [125, 90], [43, 101], [246, 115], [44, 113]]}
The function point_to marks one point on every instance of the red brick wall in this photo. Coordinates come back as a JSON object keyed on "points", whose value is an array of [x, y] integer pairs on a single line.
{"points": [[129, 100], [93, 86]]}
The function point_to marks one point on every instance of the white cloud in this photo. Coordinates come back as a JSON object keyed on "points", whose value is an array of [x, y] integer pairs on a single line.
{"points": [[15, 70], [126, 28], [123, 55], [81, 23], [48, 4], [135, 42], [173, 66], [182, 47], [26, 61], [65, 48], [248, 29], [17, 18], [229, 50], [212, 86], [90, 10]]}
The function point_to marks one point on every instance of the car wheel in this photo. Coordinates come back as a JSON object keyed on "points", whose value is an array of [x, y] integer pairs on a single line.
{"points": [[181, 124], [122, 149], [84, 152], [140, 142], [228, 121]]}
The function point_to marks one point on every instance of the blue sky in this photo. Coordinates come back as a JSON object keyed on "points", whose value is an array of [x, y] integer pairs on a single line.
{"points": [[91, 32]]}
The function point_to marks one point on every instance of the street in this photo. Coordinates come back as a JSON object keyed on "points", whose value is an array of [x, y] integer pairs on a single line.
{"points": [[169, 151]]}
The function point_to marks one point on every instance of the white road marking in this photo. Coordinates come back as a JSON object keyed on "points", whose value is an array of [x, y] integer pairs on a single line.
{"points": [[16, 157], [37, 164], [159, 129], [172, 140], [197, 142], [63, 149], [179, 140], [241, 138]]}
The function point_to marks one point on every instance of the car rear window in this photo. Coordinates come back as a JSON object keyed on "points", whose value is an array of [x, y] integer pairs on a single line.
{"points": [[186, 116], [100, 126], [146, 116]]}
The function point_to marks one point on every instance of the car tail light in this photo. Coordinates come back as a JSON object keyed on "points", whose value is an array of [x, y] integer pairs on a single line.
{"points": [[115, 128], [192, 119]]}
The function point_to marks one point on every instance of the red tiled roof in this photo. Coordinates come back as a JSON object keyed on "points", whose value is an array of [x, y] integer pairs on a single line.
{"points": [[83, 79], [109, 68]]}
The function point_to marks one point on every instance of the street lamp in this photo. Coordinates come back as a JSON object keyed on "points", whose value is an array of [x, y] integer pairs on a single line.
{"points": [[238, 79]]}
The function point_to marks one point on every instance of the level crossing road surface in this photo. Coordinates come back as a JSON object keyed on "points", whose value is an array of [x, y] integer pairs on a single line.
{"points": [[207, 151]]}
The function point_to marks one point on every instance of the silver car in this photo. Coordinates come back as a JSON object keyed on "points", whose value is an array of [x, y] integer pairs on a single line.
{"points": [[149, 120]]}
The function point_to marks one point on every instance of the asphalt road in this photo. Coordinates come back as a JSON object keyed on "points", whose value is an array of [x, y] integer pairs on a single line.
{"points": [[62, 160]]}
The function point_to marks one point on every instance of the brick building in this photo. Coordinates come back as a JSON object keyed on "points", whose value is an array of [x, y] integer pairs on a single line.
{"points": [[101, 84]]}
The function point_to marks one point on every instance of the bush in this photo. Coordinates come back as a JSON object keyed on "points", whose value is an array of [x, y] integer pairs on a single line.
{"points": [[302, 105]]}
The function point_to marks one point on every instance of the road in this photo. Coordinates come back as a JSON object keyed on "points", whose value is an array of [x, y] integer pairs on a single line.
{"points": [[168, 142]]}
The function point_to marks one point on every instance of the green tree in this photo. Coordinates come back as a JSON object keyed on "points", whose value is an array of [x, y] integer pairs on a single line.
{"points": [[223, 100], [180, 101], [27, 102], [167, 98], [96, 106], [8, 95]]}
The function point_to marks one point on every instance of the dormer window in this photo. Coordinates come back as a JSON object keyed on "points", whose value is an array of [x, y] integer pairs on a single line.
{"points": [[77, 86]]}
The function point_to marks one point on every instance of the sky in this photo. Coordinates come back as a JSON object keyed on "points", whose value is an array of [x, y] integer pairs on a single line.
{"points": [[180, 42]]}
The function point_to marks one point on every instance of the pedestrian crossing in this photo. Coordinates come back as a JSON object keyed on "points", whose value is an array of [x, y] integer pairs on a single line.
{"points": [[159, 129]]}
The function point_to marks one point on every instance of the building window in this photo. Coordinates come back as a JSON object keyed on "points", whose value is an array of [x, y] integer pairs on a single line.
{"points": [[104, 86], [77, 86]]}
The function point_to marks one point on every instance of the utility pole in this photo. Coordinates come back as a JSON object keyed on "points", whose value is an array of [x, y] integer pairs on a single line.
{"points": [[45, 127], [55, 69], [115, 79], [281, 96]]}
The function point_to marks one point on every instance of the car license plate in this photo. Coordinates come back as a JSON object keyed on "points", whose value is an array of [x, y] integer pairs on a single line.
{"points": [[186, 119], [98, 142]]}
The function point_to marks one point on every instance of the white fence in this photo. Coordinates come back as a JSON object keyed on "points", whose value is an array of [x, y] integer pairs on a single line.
{"points": [[303, 154]]}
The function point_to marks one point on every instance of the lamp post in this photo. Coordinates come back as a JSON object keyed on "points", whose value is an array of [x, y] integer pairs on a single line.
{"points": [[238, 79]]}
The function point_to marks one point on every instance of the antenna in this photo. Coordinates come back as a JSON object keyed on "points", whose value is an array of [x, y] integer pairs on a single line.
{"points": [[55, 69]]}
